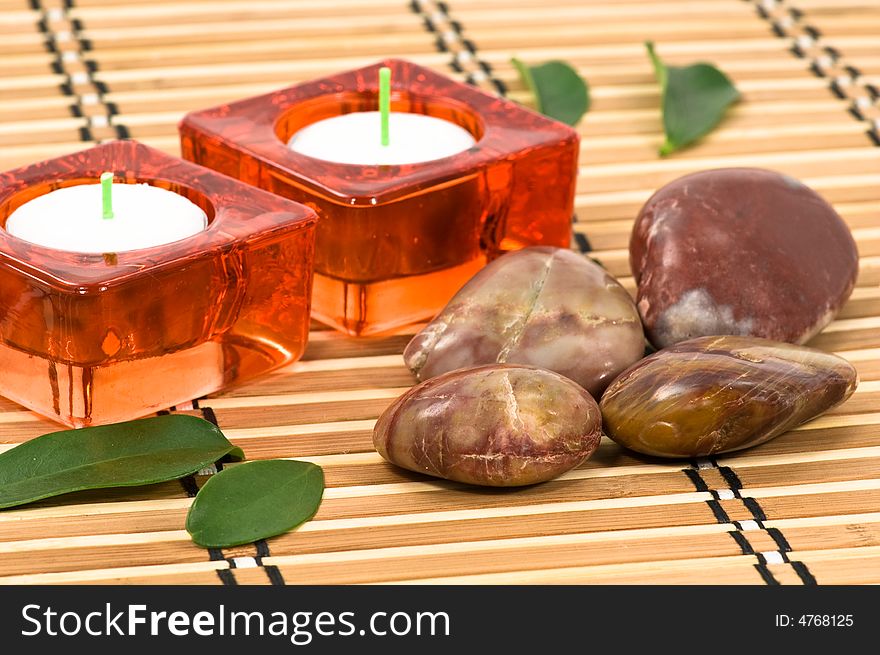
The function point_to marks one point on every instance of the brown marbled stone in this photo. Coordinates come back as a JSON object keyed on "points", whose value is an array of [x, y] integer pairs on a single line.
{"points": [[496, 425], [716, 394], [740, 251], [540, 306]]}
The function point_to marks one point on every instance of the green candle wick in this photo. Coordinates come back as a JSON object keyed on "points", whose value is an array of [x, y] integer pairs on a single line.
{"points": [[384, 101], [107, 194]]}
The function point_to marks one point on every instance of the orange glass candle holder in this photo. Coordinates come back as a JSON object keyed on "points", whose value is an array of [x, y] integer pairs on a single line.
{"points": [[89, 339], [395, 242]]}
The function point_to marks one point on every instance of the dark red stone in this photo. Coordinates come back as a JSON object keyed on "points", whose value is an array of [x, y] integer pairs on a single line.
{"points": [[740, 251]]}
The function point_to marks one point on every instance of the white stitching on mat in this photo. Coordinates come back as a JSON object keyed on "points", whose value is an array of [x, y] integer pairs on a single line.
{"points": [[773, 557], [465, 59], [846, 81], [262, 548], [732, 491], [60, 29]]}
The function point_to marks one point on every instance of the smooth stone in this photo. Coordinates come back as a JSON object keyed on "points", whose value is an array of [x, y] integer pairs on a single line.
{"points": [[716, 394], [740, 251], [497, 425], [540, 306]]}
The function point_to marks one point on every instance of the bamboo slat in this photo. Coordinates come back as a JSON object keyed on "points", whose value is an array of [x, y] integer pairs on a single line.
{"points": [[75, 73]]}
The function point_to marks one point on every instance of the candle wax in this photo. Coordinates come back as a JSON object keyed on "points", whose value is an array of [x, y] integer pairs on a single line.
{"points": [[355, 138], [72, 219]]}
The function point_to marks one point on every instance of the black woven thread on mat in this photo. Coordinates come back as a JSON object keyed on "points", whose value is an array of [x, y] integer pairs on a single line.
{"points": [[785, 21], [227, 577], [261, 547], [449, 37], [51, 42], [758, 516], [582, 242], [272, 571], [693, 474]]}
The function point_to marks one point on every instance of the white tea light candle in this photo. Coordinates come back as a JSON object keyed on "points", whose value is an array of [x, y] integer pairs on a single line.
{"points": [[355, 139], [72, 219]]}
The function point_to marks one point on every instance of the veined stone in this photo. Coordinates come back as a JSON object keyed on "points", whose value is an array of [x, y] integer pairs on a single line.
{"points": [[540, 306], [494, 425], [716, 394]]}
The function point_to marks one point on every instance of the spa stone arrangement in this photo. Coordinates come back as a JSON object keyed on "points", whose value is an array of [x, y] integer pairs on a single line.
{"points": [[723, 379], [388, 195]]}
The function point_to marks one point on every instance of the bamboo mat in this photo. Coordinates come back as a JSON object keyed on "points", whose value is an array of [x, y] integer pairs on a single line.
{"points": [[802, 509]]}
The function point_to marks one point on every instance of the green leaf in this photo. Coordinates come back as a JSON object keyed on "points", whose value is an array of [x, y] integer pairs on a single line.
{"points": [[119, 455], [558, 90], [694, 100], [254, 501]]}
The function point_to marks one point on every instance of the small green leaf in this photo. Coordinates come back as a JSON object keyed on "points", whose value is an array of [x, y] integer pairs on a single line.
{"points": [[254, 501], [694, 100], [558, 90], [119, 455]]}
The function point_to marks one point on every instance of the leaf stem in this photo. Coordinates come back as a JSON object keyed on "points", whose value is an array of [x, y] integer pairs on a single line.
{"points": [[526, 74]]}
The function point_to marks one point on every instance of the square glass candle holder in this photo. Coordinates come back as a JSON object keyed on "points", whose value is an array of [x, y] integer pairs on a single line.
{"points": [[395, 242], [89, 339]]}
